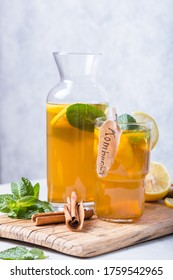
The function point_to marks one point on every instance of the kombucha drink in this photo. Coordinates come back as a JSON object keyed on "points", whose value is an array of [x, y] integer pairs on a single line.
{"points": [[120, 195], [70, 159]]}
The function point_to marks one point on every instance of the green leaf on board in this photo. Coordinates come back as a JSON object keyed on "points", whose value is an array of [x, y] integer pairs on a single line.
{"points": [[22, 253]]}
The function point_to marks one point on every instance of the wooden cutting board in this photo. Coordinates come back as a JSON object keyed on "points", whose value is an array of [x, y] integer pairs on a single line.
{"points": [[98, 237]]}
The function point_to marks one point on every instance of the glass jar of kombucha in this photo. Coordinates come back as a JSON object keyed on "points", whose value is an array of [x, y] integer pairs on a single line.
{"points": [[72, 106]]}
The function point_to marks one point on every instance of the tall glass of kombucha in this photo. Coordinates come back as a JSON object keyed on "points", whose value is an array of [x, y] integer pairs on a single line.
{"points": [[120, 194]]}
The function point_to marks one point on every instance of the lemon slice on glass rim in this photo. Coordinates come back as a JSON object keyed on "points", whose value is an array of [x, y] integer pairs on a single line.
{"points": [[157, 182], [143, 117]]}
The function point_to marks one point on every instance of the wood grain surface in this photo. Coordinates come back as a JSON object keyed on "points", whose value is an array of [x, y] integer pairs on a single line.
{"points": [[98, 237]]}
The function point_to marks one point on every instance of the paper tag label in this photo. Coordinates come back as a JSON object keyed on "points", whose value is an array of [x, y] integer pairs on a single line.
{"points": [[109, 138]]}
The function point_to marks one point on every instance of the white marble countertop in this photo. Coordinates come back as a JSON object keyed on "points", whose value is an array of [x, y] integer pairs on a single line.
{"points": [[157, 249]]}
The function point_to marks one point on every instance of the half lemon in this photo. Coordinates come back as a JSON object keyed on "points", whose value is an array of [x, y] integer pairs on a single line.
{"points": [[143, 117], [157, 182]]}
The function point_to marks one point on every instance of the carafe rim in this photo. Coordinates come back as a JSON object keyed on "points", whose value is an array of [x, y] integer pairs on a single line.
{"points": [[76, 53]]}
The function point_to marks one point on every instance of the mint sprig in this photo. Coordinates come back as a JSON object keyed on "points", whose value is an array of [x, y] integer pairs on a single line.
{"points": [[82, 116], [125, 121], [24, 200], [22, 253]]}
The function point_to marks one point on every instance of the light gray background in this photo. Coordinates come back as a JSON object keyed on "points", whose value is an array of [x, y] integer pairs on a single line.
{"points": [[136, 39]]}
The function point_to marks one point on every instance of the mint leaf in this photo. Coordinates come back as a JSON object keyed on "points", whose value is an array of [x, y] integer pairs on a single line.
{"points": [[125, 118], [123, 121], [15, 190], [43, 206], [83, 116], [17, 212], [15, 253], [7, 202], [4, 197], [38, 207], [26, 187], [27, 214], [26, 201], [22, 253], [23, 202], [37, 253], [22, 188], [36, 189]]}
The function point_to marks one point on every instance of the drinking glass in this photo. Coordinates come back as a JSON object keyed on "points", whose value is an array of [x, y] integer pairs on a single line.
{"points": [[120, 193]]}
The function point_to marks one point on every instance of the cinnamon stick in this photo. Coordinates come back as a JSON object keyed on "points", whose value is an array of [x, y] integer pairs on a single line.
{"points": [[73, 216], [56, 217], [48, 218], [74, 213]]}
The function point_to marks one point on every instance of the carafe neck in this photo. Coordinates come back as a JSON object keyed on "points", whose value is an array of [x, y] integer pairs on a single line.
{"points": [[77, 66]]}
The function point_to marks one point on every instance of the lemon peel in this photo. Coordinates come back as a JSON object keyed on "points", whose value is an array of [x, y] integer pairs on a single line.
{"points": [[58, 116]]}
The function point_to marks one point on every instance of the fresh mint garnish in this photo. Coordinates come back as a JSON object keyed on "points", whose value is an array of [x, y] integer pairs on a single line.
{"points": [[22, 253], [24, 200], [124, 120], [83, 116]]}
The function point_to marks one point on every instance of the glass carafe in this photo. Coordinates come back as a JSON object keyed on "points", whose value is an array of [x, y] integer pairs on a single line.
{"points": [[70, 159]]}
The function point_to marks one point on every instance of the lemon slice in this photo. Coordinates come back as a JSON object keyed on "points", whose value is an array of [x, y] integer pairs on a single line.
{"points": [[157, 182], [58, 116], [169, 202], [143, 117]]}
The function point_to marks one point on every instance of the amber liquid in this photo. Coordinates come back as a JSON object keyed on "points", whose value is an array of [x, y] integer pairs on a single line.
{"points": [[120, 195], [70, 159]]}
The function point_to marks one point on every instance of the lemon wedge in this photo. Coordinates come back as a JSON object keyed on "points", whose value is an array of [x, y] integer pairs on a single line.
{"points": [[143, 117], [169, 202], [157, 182]]}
